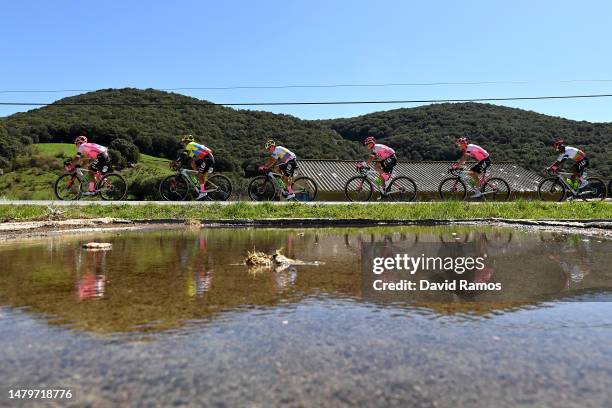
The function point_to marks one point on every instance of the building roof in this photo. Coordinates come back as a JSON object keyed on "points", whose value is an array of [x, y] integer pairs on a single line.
{"points": [[332, 175]]}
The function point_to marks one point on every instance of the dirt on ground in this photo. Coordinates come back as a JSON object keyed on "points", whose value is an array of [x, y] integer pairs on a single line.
{"points": [[34, 229]]}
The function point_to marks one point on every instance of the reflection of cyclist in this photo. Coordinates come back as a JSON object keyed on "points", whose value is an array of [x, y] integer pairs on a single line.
{"points": [[581, 162], [577, 262], [92, 283], [202, 160], [287, 166], [93, 154], [478, 153], [200, 278], [284, 277], [386, 159]]}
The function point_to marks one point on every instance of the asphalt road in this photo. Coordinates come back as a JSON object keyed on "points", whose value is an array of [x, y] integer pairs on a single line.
{"points": [[102, 202]]}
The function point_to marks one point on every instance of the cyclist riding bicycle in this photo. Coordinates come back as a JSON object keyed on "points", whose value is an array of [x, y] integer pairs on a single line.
{"points": [[581, 162], [287, 166], [478, 153], [93, 154], [386, 159], [201, 158]]}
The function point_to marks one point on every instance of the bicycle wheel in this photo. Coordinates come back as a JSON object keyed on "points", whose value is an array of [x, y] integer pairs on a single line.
{"points": [[551, 189], [496, 189], [68, 187], [262, 189], [358, 188], [112, 187], [595, 190], [174, 188], [452, 188], [219, 188], [305, 189], [402, 189]]}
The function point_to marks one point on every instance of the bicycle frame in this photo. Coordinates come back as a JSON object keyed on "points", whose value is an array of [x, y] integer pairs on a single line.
{"points": [[561, 176], [463, 175], [188, 176], [372, 175], [79, 173], [277, 179]]}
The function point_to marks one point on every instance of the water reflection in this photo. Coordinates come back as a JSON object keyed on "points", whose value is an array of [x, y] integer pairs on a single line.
{"points": [[90, 270], [161, 280]]}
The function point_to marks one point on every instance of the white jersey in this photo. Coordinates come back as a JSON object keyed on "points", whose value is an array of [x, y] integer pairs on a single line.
{"points": [[283, 154], [571, 153]]}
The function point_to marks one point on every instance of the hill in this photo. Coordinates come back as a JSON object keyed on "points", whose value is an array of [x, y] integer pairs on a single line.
{"points": [[237, 136], [428, 133]]}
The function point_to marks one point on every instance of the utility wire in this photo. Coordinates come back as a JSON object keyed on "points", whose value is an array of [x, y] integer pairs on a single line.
{"points": [[205, 103], [392, 84]]}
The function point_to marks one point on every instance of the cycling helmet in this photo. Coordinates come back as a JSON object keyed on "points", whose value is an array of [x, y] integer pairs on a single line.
{"points": [[270, 143], [558, 143], [80, 140], [369, 140], [187, 139], [461, 141]]}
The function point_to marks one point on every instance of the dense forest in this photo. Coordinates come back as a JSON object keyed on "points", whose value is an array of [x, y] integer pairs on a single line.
{"points": [[237, 136], [524, 137]]}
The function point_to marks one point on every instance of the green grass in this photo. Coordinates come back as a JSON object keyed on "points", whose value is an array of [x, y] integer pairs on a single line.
{"points": [[245, 210], [35, 176]]}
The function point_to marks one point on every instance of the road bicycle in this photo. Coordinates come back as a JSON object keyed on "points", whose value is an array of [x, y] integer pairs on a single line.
{"points": [[74, 184], [267, 188], [556, 188], [455, 187], [185, 184], [362, 187]]}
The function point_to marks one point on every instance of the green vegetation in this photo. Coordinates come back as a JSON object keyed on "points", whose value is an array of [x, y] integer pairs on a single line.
{"points": [[36, 169], [136, 133], [382, 211], [236, 136], [524, 137]]}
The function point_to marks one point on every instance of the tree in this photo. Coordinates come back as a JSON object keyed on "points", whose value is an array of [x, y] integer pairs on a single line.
{"points": [[128, 150]]}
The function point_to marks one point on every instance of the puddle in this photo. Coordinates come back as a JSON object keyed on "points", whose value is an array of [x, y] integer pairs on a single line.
{"points": [[171, 317]]}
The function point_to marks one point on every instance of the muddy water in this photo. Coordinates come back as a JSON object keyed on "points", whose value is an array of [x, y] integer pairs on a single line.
{"points": [[172, 317]]}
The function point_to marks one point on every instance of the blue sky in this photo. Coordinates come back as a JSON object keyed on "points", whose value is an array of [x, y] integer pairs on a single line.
{"points": [[65, 44]]}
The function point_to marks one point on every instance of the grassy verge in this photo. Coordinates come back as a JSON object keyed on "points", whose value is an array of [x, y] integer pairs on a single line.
{"points": [[418, 211]]}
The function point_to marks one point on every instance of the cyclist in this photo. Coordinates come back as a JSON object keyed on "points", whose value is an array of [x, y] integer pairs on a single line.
{"points": [[93, 154], [478, 153], [386, 160], [287, 166], [201, 158], [581, 162]]}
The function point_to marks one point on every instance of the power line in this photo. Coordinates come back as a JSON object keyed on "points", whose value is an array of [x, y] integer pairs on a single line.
{"points": [[391, 84], [204, 103]]}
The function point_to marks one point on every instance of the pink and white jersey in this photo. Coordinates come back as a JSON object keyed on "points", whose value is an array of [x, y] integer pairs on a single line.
{"points": [[91, 150], [476, 152], [283, 154], [382, 151]]}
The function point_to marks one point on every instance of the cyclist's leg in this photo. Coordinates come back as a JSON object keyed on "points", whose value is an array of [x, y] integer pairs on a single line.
{"points": [[203, 165], [479, 169], [287, 169], [94, 169], [578, 172], [387, 167]]}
